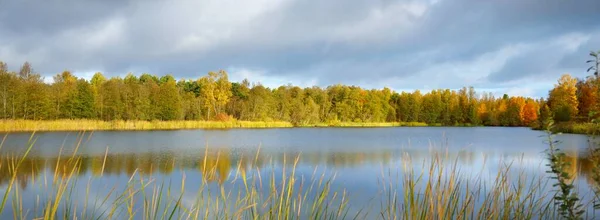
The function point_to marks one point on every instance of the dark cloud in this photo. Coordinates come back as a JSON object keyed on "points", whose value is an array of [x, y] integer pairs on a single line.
{"points": [[410, 44]]}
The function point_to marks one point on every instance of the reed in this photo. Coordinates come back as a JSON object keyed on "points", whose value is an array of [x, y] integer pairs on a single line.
{"points": [[367, 124], [88, 125], [588, 128]]}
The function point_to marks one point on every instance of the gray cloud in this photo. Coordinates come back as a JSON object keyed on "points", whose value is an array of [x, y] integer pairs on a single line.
{"points": [[506, 46]]}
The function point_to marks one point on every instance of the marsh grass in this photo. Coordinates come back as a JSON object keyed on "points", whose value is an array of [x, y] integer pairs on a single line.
{"points": [[120, 125], [436, 189], [442, 191], [279, 195], [88, 125], [587, 128], [367, 124]]}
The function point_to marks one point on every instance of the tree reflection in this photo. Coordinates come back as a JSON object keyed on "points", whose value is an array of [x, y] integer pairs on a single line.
{"points": [[216, 165]]}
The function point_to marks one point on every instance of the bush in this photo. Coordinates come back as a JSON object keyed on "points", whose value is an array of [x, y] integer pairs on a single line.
{"points": [[223, 117], [562, 114]]}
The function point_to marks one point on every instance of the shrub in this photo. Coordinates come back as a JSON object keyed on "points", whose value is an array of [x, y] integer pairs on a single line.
{"points": [[222, 117]]}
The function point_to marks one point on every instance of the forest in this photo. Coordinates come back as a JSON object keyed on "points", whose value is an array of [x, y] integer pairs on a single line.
{"points": [[25, 95]]}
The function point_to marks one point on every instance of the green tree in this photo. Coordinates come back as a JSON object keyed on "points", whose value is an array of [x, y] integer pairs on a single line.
{"points": [[112, 101], [238, 104], [169, 101], [8, 84], [83, 100], [65, 88], [36, 99], [97, 82]]}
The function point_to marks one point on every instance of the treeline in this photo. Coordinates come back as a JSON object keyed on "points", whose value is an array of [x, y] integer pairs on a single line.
{"points": [[575, 101], [24, 95]]}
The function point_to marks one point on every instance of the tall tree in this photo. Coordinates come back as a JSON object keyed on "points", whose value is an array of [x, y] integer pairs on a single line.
{"points": [[97, 82], [25, 71], [169, 101], [65, 89], [7, 86], [83, 100], [222, 91], [530, 112], [587, 96], [563, 98]]}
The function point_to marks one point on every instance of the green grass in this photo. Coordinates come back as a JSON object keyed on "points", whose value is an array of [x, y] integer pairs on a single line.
{"points": [[433, 190]]}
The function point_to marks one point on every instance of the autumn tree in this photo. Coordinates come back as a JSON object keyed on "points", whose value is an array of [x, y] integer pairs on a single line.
{"points": [[529, 113], [587, 96], [563, 98], [24, 95]]}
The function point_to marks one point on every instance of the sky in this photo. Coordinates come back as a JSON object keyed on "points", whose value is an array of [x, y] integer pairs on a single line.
{"points": [[517, 47]]}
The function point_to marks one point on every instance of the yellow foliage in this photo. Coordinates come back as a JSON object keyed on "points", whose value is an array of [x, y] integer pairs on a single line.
{"points": [[529, 112], [564, 94]]}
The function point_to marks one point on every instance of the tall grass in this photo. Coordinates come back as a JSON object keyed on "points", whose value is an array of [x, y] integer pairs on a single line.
{"points": [[433, 190], [588, 128], [276, 196], [440, 191], [86, 125], [367, 124]]}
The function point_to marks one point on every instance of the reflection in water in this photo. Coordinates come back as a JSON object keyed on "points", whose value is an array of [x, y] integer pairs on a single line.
{"points": [[582, 166], [212, 165], [360, 160], [216, 165]]}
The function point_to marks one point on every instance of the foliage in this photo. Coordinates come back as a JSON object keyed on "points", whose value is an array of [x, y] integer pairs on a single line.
{"points": [[24, 95], [563, 98]]}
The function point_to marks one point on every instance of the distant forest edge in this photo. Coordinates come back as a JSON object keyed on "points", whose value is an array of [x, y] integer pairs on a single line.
{"points": [[24, 97]]}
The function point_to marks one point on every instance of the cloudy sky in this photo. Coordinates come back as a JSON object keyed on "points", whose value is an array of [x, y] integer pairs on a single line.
{"points": [[519, 47]]}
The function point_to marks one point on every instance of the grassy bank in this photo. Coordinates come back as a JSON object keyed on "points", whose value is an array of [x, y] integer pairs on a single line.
{"points": [[575, 128], [368, 124], [88, 125]]}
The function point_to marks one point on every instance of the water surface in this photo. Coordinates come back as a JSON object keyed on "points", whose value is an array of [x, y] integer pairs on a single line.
{"points": [[357, 157]]}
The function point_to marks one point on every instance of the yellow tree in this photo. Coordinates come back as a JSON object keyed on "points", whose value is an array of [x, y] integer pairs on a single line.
{"points": [[215, 90], [563, 98], [500, 112], [530, 112], [587, 93], [482, 112], [514, 112], [222, 91]]}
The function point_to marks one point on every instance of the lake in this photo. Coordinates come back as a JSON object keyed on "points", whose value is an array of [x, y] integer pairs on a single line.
{"points": [[357, 159]]}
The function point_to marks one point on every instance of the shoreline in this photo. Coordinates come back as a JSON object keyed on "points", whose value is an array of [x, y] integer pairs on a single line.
{"points": [[99, 125], [586, 128], [120, 125]]}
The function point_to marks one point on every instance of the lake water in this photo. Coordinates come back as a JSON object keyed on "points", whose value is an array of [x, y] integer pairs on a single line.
{"points": [[357, 158]]}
